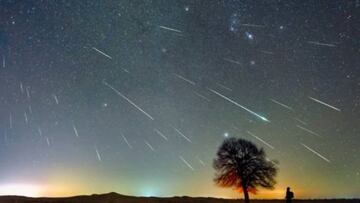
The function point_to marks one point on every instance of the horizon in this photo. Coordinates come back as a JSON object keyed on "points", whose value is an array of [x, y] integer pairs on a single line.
{"points": [[137, 97], [177, 196]]}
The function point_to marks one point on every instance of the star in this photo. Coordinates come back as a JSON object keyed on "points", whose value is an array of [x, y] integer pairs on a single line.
{"points": [[249, 35]]}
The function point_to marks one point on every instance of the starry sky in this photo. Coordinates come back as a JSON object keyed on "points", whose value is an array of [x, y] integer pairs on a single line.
{"points": [[136, 96]]}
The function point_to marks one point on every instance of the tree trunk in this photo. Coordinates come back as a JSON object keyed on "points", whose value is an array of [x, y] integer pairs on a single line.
{"points": [[246, 195]]}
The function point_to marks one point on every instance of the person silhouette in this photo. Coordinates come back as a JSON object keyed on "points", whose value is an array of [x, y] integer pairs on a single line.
{"points": [[289, 195]]}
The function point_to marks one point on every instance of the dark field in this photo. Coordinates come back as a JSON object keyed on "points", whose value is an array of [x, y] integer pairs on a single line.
{"points": [[116, 198]]}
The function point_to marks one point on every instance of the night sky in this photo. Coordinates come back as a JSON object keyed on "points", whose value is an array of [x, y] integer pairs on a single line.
{"points": [[136, 96]]}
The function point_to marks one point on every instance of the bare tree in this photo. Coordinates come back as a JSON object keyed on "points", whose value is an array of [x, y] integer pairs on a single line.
{"points": [[241, 165]]}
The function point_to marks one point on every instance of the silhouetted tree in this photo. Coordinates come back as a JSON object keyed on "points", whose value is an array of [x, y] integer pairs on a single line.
{"points": [[240, 164]]}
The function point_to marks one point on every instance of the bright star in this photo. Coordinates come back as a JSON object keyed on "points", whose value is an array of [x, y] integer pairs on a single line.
{"points": [[249, 35]]}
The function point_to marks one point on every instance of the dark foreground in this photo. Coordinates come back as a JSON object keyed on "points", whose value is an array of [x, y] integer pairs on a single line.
{"points": [[117, 198]]}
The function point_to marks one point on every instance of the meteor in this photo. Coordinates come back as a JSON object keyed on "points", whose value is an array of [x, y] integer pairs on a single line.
{"points": [[126, 141], [281, 104], [97, 154], [149, 145], [75, 131], [170, 29], [261, 140], [316, 153], [101, 52], [252, 25], [21, 88], [223, 86], [202, 96], [28, 92], [232, 61], [325, 104], [160, 133], [40, 131], [186, 163], [56, 99], [180, 133], [237, 104], [48, 141], [321, 44], [127, 99], [307, 130], [186, 80], [26, 118], [201, 162], [300, 121]]}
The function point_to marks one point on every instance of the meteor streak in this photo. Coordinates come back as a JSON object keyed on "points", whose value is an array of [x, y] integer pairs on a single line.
{"points": [[281, 104], [237, 104], [321, 44], [223, 86], [40, 131], [307, 130], [170, 29], [315, 152], [186, 163], [180, 133], [75, 131], [300, 121], [21, 88], [186, 80], [28, 92], [48, 141], [252, 25], [149, 145], [325, 104], [232, 61], [56, 99], [102, 53], [126, 141], [202, 96], [160, 133], [97, 154], [201, 162], [127, 99], [261, 140], [26, 117]]}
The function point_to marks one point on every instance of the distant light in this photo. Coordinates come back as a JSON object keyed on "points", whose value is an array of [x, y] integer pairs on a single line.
{"points": [[226, 134], [20, 189], [281, 27], [249, 35], [186, 8], [104, 104], [252, 62], [148, 192]]}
